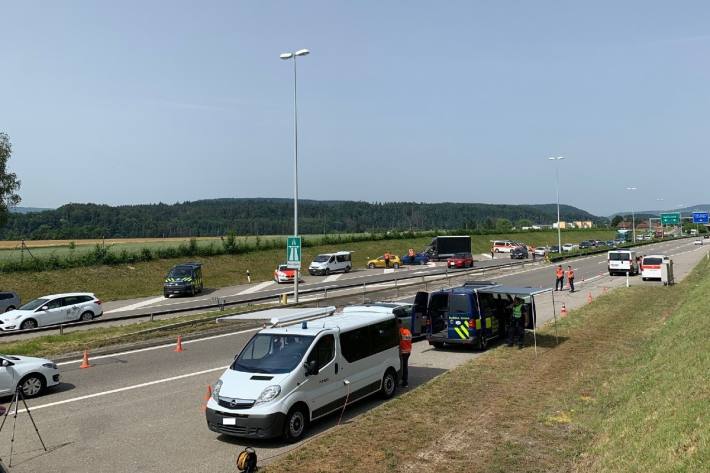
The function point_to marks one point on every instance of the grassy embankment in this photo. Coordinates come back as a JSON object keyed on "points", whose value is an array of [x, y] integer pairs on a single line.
{"points": [[145, 279], [627, 390]]}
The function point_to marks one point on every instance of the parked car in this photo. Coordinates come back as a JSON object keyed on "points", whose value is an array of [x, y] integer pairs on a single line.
{"points": [[554, 249], [567, 247], [699, 241], [323, 265], [419, 258], [586, 244], [52, 310], [460, 260], [32, 375], [395, 262], [611, 243], [502, 246], [9, 301], [284, 274], [542, 250], [519, 252]]}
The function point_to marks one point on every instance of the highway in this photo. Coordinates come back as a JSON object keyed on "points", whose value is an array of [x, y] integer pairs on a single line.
{"points": [[140, 411]]}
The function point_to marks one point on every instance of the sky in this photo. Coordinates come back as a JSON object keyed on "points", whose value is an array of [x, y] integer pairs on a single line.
{"points": [[156, 101]]}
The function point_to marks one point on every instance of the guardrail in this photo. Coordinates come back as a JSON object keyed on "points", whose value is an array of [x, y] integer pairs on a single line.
{"points": [[222, 303]]}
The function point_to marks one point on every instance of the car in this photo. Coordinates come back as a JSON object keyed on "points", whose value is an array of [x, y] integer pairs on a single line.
{"points": [[419, 258], [460, 260], [284, 274], [698, 242], [541, 250], [502, 246], [184, 278], [326, 263], [395, 262], [611, 243], [519, 252], [586, 244], [567, 247], [554, 249], [706, 236], [31, 375], [52, 310], [9, 301]]}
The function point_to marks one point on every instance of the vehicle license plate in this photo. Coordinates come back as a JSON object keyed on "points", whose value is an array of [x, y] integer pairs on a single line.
{"points": [[229, 421]]}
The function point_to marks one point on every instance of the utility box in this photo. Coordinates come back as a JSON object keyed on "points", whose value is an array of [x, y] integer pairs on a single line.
{"points": [[667, 272]]}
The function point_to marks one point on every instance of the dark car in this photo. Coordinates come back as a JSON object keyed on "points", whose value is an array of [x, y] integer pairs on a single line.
{"points": [[519, 252], [183, 278], [460, 260], [586, 244], [554, 249]]}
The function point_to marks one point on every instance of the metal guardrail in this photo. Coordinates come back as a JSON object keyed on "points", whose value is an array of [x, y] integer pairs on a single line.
{"points": [[221, 303]]}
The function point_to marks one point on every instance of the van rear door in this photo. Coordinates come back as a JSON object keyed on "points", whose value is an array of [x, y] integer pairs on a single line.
{"points": [[420, 317], [438, 312]]}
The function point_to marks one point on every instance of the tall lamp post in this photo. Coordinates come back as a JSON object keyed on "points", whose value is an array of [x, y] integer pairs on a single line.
{"points": [[287, 56], [663, 232], [557, 187], [633, 216]]}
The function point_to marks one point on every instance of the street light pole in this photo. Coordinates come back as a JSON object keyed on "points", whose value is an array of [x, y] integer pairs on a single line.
{"points": [[633, 216], [557, 188], [286, 56]]}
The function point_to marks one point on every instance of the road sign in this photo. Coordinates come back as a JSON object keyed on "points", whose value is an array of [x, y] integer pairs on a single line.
{"points": [[293, 252], [672, 218], [701, 217]]}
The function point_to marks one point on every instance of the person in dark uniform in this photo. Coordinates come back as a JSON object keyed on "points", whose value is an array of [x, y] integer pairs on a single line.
{"points": [[516, 331]]}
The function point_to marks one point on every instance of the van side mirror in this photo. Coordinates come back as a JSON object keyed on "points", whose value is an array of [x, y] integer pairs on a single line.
{"points": [[311, 367]]}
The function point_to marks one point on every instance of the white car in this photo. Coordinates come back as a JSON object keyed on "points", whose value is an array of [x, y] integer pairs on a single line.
{"points": [[52, 310], [32, 375], [698, 242], [569, 247], [542, 250]]}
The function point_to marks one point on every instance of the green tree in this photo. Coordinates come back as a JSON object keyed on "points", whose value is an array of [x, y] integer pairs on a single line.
{"points": [[524, 222], [9, 185], [503, 225], [616, 220]]}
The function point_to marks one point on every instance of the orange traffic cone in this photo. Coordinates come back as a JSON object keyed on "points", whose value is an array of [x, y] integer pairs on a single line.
{"points": [[178, 347], [85, 361], [589, 297], [207, 397], [563, 311]]}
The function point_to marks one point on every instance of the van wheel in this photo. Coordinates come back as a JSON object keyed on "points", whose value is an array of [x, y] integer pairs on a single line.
{"points": [[296, 422], [483, 343], [389, 384], [371, 266], [438, 345], [347, 269], [327, 271]]}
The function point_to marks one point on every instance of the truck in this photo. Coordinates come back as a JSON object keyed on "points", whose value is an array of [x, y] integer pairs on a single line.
{"points": [[444, 247]]}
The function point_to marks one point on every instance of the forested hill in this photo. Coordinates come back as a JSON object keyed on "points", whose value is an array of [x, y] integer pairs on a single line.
{"points": [[268, 216]]}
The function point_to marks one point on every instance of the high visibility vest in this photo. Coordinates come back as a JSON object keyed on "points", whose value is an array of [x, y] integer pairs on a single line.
{"points": [[405, 340], [570, 274], [559, 273], [518, 311]]}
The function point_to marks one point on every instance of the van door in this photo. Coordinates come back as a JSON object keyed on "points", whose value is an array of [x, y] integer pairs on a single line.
{"points": [[420, 318], [459, 315], [438, 311], [325, 390]]}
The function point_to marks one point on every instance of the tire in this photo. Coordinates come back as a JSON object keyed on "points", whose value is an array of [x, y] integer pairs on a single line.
{"points": [[483, 343], [371, 266], [192, 291], [28, 324], [611, 273], [9, 308], [438, 345], [395, 266], [86, 316], [32, 385], [327, 271], [389, 384], [348, 268], [296, 423]]}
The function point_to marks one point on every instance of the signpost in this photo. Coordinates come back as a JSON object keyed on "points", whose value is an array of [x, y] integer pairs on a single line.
{"points": [[672, 218], [701, 218], [293, 252]]}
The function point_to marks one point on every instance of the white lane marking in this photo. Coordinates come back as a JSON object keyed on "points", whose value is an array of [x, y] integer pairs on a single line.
{"points": [[332, 277], [167, 345], [602, 262], [126, 388], [137, 305], [487, 255], [256, 288]]}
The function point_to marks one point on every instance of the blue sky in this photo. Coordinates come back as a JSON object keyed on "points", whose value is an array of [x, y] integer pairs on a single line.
{"points": [[147, 101]]}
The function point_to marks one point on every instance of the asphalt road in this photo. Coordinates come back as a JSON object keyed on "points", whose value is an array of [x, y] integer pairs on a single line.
{"points": [[141, 411]]}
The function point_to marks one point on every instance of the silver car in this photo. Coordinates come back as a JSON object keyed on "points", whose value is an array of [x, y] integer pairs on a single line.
{"points": [[52, 310], [32, 375], [9, 301]]}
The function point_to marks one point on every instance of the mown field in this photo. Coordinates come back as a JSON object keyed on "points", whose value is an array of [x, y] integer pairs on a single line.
{"points": [[127, 281], [626, 390]]}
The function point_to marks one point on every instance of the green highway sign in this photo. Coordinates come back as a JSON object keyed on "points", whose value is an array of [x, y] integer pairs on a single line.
{"points": [[672, 218], [293, 252]]}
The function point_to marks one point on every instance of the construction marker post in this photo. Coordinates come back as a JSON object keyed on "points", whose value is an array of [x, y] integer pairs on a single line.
{"points": [[363, 292], [627, 279], [248, 276]]}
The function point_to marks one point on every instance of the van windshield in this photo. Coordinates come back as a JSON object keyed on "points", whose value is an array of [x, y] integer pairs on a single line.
{"points": [[272, 353], [619, 256], [180, 272], [321, 258]]}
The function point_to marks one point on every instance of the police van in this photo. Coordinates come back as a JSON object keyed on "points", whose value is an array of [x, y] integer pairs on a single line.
{"points": [[622, 262], [185, 278], [288, 376]]}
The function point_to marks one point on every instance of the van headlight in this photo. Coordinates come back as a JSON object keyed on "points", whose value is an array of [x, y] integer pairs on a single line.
{"points": [[215, 390], [269, 394]]}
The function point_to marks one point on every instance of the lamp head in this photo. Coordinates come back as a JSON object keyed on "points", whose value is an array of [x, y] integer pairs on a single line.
{"points": [[286, 55], [302, 52]]}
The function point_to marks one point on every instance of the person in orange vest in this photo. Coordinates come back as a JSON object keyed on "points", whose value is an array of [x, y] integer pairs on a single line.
{"points": [[411, 255], [387, 259], [560, 278], [405, 349], [570, 278]]}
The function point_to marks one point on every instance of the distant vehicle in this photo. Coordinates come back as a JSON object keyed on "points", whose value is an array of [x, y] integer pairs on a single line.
{"points": [[624, 235], [460, 260], [395, 262], [567, 247], [554, 249], [542, 250], [706, 236], [323, 265], [611, 243], [284, 274], [698, 242], [519, 252], [586, 244], [419, 258], [651, 266], [185, 278], [622, 262], [444, 247], [288, 376], [502, 246], [52, 310], [599, 243], [9, 301], [32, 375], [416, 323]]}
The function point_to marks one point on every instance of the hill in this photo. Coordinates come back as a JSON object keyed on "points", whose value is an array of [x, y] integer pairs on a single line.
{"points": [[268, 217], [26, 210]]}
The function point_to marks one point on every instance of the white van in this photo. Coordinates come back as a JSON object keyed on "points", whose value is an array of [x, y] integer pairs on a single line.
{"points": [[286, 377], [622, 262], [323, 265], [651, 266]]}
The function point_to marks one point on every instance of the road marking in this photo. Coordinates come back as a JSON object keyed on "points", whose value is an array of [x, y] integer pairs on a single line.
{"points": [[487, 255], [137, 305], [332, 277], [256, 288], [126, 388]]}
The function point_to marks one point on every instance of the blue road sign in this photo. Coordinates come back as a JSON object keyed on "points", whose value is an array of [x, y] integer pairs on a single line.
{"points": [[701, 217]]}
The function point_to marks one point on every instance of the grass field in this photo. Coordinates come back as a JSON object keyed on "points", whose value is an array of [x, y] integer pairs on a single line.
{"points": [[627, 390], [145, 279]]}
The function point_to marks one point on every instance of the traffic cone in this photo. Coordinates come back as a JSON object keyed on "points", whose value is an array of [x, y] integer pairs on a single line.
{"points": [[563, 311], [207, 397], [85, 361], [589, 297], [178, 347]]}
